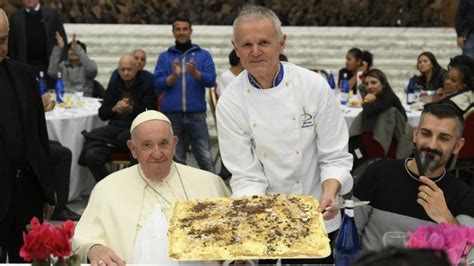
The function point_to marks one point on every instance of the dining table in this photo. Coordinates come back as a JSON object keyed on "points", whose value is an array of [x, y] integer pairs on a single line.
{"points": [[350, 113], [65, 125]]}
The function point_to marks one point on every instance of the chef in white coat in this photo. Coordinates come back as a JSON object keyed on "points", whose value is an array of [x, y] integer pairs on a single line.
{"points": [[280, 128]]}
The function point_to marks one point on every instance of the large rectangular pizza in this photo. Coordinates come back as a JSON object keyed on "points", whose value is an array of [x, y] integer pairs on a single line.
{"points": [[256, 227]]}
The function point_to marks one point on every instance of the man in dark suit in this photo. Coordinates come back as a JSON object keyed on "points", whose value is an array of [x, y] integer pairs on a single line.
{"points": [[32, 35], [25, 183]]}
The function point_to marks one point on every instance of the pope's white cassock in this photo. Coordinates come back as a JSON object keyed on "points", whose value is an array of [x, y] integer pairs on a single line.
{"points": [[125, 204]]}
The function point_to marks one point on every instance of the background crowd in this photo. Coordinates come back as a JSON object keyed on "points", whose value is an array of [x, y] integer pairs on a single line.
{"points": [[405, 13]]}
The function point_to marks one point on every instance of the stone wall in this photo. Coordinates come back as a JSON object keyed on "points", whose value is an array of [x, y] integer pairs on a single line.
{"points": [[395, 49]]}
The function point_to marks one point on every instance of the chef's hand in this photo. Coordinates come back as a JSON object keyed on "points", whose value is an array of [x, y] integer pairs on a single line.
{"points": [[331, 188], [100, 255]]}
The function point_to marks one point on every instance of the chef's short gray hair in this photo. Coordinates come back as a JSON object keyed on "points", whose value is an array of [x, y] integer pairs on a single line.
{"points": [[259, 12]]}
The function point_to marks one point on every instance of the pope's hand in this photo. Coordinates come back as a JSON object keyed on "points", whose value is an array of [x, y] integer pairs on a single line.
{"points": [[100, 255]]}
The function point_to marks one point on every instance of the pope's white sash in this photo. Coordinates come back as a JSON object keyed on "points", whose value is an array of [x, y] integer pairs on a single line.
{"points": [[151, 245]]}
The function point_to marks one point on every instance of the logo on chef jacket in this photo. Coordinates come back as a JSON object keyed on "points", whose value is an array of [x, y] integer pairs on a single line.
{"points": [[306, 119]]}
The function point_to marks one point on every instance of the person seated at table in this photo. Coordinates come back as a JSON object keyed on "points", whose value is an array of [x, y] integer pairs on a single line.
{"points": [[429, 76], [126, 96], [462, 60], [354, 63], [140, 57], [367, 61], [380, 95], [283, 57], [130, 207], [403, 196], [59, 160], [457, 89], [227, 76], [79, 71]]}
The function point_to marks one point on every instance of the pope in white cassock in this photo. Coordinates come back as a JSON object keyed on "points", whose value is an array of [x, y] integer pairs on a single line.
{"points": [[127, 216]]}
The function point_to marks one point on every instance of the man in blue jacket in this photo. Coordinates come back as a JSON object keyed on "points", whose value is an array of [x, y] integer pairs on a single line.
{"points": [[182, 74]]}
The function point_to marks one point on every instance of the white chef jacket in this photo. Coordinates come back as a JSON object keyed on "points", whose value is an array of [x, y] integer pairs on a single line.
{"points": [[287, 139], [223, 80]]}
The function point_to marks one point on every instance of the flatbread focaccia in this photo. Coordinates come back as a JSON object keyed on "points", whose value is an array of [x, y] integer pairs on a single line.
{"points": [[256, 227]]}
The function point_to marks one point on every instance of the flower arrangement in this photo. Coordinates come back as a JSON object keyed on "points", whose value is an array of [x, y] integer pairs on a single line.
{"points": [[455, 240], [46, 244]]}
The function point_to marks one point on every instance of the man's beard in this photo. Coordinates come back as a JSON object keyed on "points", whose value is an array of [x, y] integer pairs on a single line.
{"points": [[429, 163]]}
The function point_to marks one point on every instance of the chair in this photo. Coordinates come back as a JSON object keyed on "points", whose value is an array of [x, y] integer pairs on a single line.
{"points": [[119, 161], [98, 91], [464, 160], [386, 136], [212, 104], [373, 148]]}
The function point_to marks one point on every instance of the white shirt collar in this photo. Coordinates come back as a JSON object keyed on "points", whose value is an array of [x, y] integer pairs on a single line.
{"points": [[37, 7]]}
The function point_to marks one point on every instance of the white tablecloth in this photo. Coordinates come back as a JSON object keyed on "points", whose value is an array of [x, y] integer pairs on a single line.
{"points": [[65, 126], [351, 112]]}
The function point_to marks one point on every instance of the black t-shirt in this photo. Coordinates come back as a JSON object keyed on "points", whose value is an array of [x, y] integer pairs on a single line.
{"points": [[389, 187]]}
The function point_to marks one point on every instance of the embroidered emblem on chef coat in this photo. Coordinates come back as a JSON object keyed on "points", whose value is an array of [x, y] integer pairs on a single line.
{"points": [[306, 119]]}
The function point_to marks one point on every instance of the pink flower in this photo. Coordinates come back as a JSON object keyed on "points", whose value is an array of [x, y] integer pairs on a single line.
{"points": [[453, 239], [436, 241]]}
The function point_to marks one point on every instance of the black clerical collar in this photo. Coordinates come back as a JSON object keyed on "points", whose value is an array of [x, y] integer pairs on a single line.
{"points": [[183, 47], [34, 10]]}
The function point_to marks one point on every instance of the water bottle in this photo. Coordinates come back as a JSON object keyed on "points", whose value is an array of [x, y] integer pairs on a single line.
{"points": [[344, 90], [348, 243], [331, 81], [411, 97], [42, 84], [59, 89]]}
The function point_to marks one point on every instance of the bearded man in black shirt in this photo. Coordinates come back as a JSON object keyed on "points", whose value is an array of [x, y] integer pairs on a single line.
{"points": [[404, 194]]}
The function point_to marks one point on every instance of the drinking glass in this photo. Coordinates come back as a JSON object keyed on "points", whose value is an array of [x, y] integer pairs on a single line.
{"points": [[395, 239], [78, 99]]}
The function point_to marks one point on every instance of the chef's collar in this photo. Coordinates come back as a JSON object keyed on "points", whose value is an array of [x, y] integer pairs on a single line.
{"points": [[276, 80]]}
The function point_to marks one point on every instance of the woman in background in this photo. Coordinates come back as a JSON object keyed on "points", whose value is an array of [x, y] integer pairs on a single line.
{"points": [[429, 76], [457, 89], [380, 95], [353, 63], [356, 60]]}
